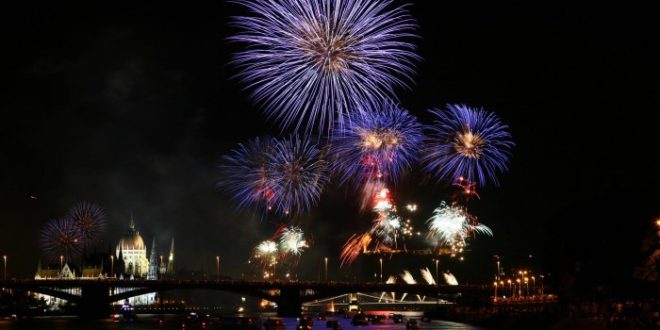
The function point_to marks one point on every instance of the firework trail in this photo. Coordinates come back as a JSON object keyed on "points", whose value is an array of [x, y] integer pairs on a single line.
{"points": [[90, 220], [469, 143], [377, 144], [292, 240], [387, 224], [61, 237], [308, 62], [297, 175], [450, 278], [245, 176], [428, 277], [407, 277], [353, 247]]}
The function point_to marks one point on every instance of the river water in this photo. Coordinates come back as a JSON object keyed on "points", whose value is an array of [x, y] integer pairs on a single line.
{"points": [[168, 322]]}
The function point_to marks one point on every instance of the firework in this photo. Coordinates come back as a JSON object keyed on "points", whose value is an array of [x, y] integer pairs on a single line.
{"points": [[376, 144], [297, 173], [428, 277], [310, 61], [451, 225], [292, 241], [353, 247], [266, 253], [61, 238], [245, 176], [90, 220], [450, 278], [407, 277], [469, 143]]}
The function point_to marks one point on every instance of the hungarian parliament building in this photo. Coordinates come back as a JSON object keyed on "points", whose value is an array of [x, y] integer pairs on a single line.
{"points": [[128, 261]]}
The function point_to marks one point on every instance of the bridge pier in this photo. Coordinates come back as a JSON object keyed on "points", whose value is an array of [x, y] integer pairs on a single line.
{"points": [[289, 303], [94, 302]]}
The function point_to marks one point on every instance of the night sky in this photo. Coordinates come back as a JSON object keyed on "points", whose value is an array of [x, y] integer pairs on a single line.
{"points": [[132, 107]]}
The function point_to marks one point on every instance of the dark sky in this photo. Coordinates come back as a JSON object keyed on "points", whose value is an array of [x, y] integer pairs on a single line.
{"points": [[132, 106]]}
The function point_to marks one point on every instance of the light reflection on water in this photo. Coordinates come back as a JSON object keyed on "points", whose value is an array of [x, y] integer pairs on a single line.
{"points": [[149, 322]]}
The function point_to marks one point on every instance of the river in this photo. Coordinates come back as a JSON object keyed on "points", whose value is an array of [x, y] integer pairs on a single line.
{"points": [[168, 322]]}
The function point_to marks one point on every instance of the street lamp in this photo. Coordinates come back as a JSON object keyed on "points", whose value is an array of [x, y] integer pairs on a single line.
{"points": [[495, 295], [519, 287], [527, 286], [510, 286], [381, 269], [217, 267], [326, 268], [533, 286], [4, 258], [112, 266], [61, 262]]}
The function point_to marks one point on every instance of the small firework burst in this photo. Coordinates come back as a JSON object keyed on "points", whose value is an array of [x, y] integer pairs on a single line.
{"points": [[266, 253], [292, 241], [89, 218], [61, 238], [469, 143], [452, 226]]}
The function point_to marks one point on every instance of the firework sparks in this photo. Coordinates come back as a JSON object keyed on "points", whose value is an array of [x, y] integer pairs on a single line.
{"points": [[310, 61], [376, 145], [90, 220], [408, 278], [298, 175], [61, 237], [452, 225], [428, 277], [245, 176], [266, 253], [450, 278], [353, 247], [292, 241], [469, 143]]}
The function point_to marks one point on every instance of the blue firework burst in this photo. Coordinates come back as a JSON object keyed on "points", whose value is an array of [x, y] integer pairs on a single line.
{"points": [[61, 238], [467, 142], [89, 218], [244, 173], [376, 144], [297, 173], [308, 62]]}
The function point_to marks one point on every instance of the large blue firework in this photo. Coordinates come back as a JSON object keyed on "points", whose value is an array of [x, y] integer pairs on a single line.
{"points": [[298, 175], [245, 176], [61, 238], [89, 218], [308, 62], [376, 145], [469, 143]]}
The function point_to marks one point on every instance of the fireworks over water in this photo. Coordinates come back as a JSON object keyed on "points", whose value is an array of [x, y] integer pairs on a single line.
{"points": [[309, 62]]}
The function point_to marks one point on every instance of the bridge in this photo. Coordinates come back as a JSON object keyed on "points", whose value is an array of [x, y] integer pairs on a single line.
{"points": [[96, 296]]}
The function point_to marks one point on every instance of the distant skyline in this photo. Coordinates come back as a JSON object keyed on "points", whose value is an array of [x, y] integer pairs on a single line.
{"points": [[132, 107]]}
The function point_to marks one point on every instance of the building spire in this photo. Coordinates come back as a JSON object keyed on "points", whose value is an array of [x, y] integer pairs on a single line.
{"points": [[131, 224], [153, 262]]}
